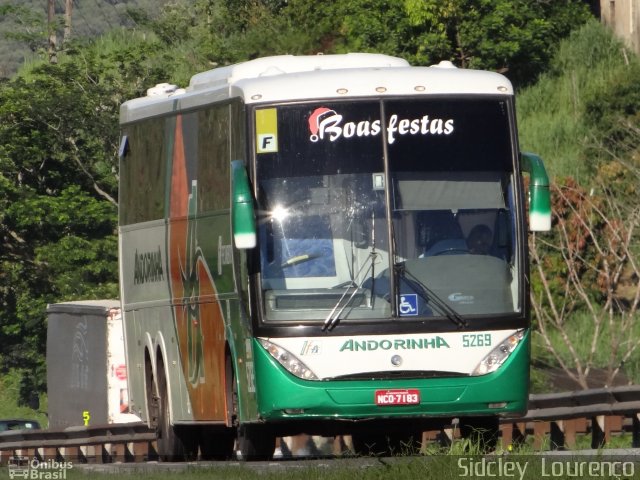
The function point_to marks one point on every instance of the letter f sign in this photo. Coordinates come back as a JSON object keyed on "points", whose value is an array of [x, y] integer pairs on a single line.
{"points": [[267, 143]]}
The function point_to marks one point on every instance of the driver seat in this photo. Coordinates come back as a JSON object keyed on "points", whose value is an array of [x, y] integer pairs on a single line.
{"points": [[438, 232]]}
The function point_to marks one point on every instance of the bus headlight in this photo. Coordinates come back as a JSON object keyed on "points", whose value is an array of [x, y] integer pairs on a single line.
{"points": [[498, 355], [288, 360]]}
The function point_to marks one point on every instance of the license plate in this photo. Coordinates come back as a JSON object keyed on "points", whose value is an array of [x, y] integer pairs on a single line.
{"points": [[397, 397]]}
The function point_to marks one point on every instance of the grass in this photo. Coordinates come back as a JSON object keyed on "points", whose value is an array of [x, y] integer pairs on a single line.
{"points": [[581, 330], [552, 113], [9, 408], [514, 465], [459, 460]]}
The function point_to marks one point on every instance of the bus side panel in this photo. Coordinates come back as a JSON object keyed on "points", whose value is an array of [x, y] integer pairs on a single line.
{"points": [[200, 253], [241, 345], [187, 302], [147, 326], [148, 320]]}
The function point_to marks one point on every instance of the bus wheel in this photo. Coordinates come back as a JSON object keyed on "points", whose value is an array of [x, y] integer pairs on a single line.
{"points": [[175, 444], [386, 444], [216, 443], [256, 442], [482, 433]]}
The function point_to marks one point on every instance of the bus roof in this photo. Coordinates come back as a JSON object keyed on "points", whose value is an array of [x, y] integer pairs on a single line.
{"points": [[296, 78]]}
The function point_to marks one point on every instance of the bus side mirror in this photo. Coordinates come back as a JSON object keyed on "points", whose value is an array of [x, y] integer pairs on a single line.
{"points": [[539, 195], [243, 219]]}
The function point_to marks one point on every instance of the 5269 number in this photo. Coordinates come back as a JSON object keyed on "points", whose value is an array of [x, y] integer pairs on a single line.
{"points": [[476, 340]]}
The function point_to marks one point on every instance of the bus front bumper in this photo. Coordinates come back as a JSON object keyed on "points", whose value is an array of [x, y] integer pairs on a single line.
{"points": [[282, 396]]}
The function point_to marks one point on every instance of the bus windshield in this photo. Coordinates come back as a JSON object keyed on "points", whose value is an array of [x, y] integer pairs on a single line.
{"points": [[385, 209]]}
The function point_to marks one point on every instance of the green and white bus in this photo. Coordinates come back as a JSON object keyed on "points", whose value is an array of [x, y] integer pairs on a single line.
{"points": [[331, 244]]}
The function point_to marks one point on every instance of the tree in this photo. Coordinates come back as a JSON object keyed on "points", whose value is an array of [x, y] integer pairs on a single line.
{"points": [[516, 37], [58, 188], [57, 196], [586, 294]]}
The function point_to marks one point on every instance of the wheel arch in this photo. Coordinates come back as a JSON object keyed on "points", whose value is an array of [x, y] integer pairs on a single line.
{"points": [[161, 367], [149, 358]]}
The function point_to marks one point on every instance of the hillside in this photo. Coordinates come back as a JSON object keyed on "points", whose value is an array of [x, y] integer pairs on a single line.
{"points": [[23, 24], [574, 116]]}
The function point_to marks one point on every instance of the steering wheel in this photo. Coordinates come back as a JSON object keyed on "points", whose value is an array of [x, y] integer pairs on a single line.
{"points": [[348, 283], [450, 251]]}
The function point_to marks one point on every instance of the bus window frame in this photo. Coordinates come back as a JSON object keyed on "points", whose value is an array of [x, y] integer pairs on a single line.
{"points": [[520, 318]]}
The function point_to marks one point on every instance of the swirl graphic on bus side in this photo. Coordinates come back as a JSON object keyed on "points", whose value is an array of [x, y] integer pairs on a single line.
{"points": [[198, 315]]}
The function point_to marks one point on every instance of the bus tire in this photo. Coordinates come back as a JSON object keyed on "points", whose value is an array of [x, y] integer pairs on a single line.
{"points": [[482, 432], [175, 444], [256, 442], [216, 443]]}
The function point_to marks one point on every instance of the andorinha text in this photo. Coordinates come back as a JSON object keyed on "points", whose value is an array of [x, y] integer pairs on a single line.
{"points": [[395, 344], [148, 267]]}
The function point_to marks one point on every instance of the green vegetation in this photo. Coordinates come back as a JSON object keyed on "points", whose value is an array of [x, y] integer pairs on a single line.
{"points": [[512, 36], [583, 118], [25, 33], [519, 466], [9, 396], [566, 115], [581, 322]]}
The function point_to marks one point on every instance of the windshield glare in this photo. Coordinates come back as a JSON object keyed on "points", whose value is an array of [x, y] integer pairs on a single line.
{"points": [[327, 246]]}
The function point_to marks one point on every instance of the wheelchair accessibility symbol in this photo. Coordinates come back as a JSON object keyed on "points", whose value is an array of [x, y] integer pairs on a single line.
{"points": [[408, 305]]}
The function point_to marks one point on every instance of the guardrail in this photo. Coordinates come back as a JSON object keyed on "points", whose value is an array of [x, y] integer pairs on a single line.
{"points": [[599, 412], [558, 417], [123, 442]]}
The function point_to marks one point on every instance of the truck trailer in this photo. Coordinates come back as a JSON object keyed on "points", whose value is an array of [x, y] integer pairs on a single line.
{"points": [[86, 369]]}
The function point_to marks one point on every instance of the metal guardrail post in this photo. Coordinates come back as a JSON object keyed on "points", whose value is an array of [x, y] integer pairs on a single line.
{"points": [[598, 437], [519, 433], [556, 435]]}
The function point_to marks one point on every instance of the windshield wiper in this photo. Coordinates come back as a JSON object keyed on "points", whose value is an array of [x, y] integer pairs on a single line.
{"points": [[334, 318], [429, 295]]}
